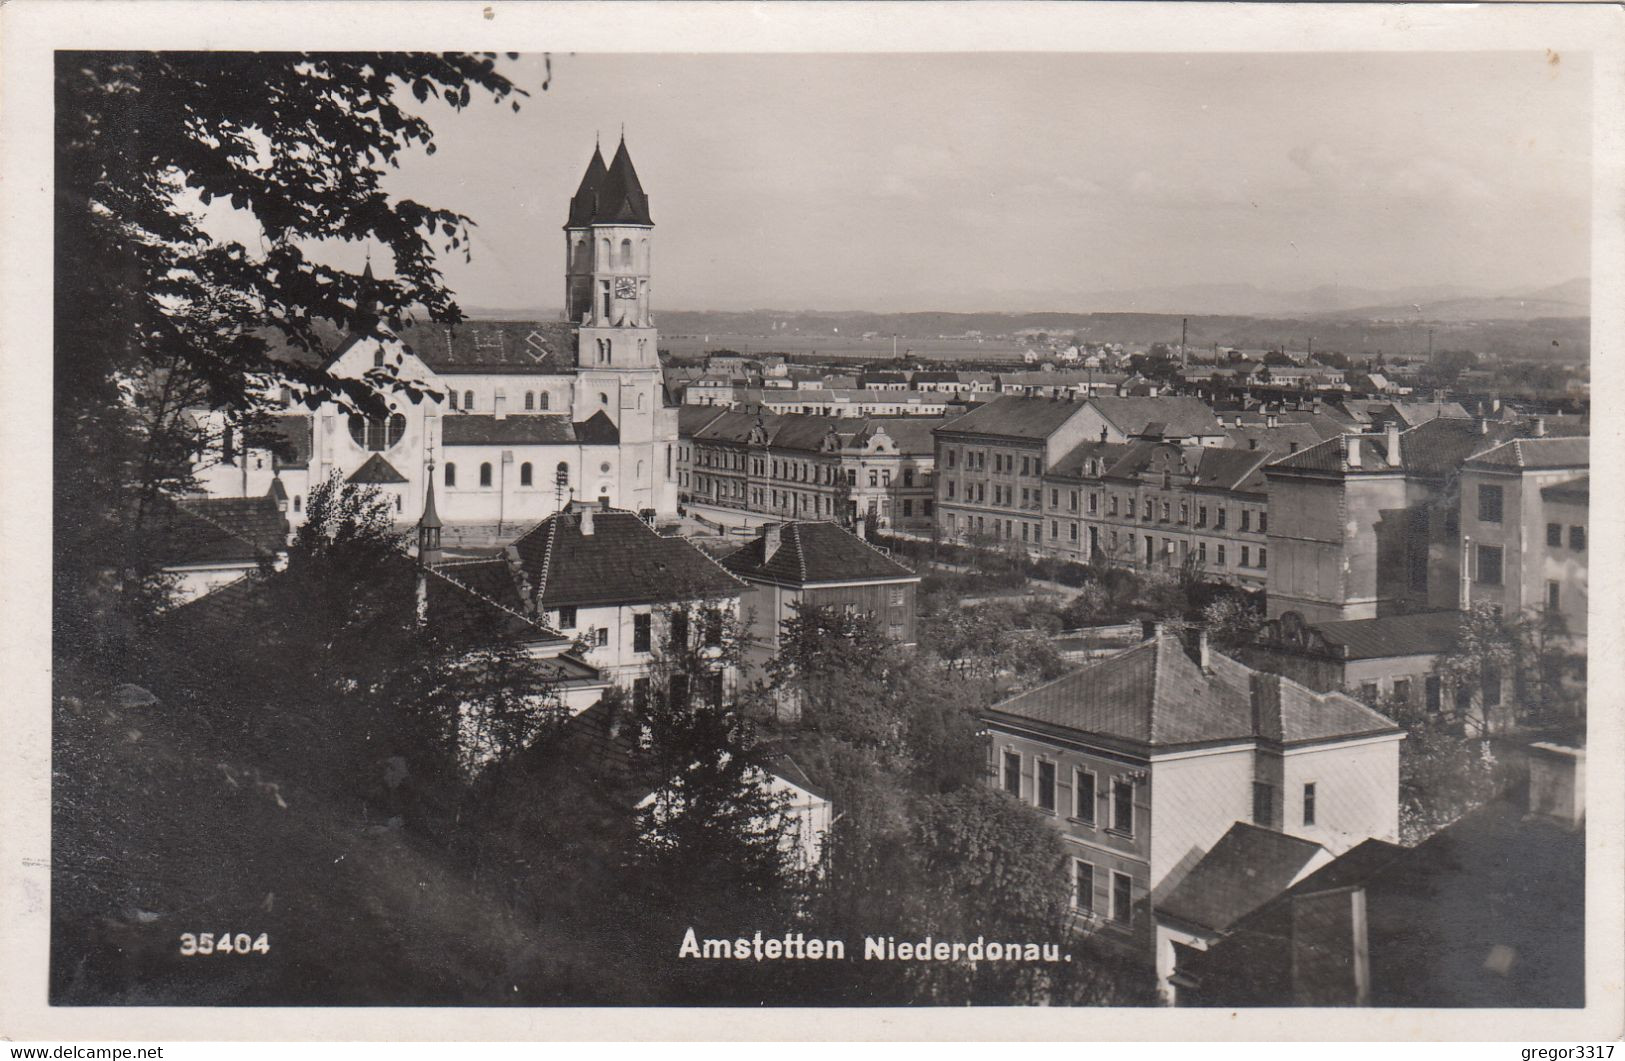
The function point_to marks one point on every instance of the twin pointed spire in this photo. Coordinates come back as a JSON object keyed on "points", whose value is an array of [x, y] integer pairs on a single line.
{"points": [[609, 195]]}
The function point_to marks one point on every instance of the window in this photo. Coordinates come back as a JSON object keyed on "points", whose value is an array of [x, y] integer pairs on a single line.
{"points": [[953, 458], [640, 632], [543, 401], [561, 474], [908, 476], [1221, 556], [1201, 551], [1054, 530], [1434, 692], [1220, 517], [451, 474], [1577, 539], [453, 397], [1489, 565], [468, 401], [1263, 803], [567, 618], [1201, 515], [1246, 521], [951, 485], [1084, 796], [1112, 501], [378, 358], [1554, 535], [525, 474], [1074, 530], [530, 401], [874, 478], [1263, 522], [1489, 504], [679, 629], [1309, 803], [1553, 595], [640, 692], [1123, 806], [908, 508], [601, 636], [1244, 556], [485, 474], [1402, 690], [1012, 773], [1083, 886], [1263, 557], [1368, 692], [1045, 794], [1122, 898], [1150, 509], [895, 596]]}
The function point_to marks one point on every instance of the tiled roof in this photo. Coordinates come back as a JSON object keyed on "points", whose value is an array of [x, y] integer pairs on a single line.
{"points": [[1155, 695], [483, 429], [219, 530], [1332, 455], [1014, 417], [1248, 867], [913, 434], [800, 432], [1282, 439], [623, 561], [812, 552], [1231, 469], [1075, 465], [377, 472], [691, 419], [1419, 633], [1180, 417], [597, 430], [1537, 453], [1569, 490], [482, 346], [1440, 446]]}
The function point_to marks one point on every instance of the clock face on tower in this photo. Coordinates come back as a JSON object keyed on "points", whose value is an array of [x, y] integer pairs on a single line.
{"points": [[626, 287]]}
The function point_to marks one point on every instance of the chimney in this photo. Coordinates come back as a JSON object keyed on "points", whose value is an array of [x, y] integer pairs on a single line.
{"points": [[1150, 629], [863, 528], [1269, 420], [771, 537], [1204, 657], [1353, 447], [1393, 444], [1102, 432], [586, 522], [603, 502], [1483, 426], [1538, 427], [1557, 783]]}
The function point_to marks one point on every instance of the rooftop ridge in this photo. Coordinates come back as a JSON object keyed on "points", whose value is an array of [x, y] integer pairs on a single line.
{"points": [[222, 528], [471, 591]]}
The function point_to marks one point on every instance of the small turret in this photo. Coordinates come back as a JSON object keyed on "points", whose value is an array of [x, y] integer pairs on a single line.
{"points": [[429, 528]]}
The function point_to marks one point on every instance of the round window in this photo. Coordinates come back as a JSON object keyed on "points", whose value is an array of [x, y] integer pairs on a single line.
{"points": [[604, 467]]}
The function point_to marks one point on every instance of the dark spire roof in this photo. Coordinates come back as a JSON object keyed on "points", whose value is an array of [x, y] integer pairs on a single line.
{"points": [[431, 518], [620, 198], [366, 306], [581, 204]]}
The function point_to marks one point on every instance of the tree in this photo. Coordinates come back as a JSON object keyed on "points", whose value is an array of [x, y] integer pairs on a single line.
{"points": [[298, 144], [1443, 774]]}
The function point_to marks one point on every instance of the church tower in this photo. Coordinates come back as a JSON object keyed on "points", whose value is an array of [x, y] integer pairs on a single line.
{"points": [[608, 238]]}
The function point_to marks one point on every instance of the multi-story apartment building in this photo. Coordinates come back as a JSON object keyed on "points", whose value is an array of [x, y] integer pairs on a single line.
{"points": [[1147, 505], [876, 469], [991, 463], [1144, 760], [1524, 508], [1365, 525]]}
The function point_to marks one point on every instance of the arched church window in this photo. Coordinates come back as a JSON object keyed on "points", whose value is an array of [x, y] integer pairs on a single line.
{"points": [[561, 474], [603, 245], [451, 474], [640, 471], [544, 401], [453, 395], [524, 474], [468, 401], [377, 433], [485, 474], [296, 500], [626, 252], [640, 403], [378, 358], [609, 351], [530, 401]]}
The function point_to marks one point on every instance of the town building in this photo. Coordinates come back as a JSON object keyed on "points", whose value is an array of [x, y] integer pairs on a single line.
{"points": [[1369, 524], [749, 468], [517, 418], [1150, 505], [991, 462], [1524, 508], [203, 543], [1384, 657], [605, 576], [1489, 912], [817, 564], [1143, 761]]}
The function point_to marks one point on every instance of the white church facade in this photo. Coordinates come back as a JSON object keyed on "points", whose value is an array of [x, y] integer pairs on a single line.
{"points": [[518, 418]]}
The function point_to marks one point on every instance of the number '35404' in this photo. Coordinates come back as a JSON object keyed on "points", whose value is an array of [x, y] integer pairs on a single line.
{"points": [[224, 943]]}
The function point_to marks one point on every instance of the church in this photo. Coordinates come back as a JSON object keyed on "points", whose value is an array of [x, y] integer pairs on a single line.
{"points": [[522, 417]]}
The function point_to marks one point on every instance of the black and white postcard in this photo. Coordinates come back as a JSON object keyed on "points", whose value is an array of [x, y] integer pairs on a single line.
{"points": [[667, 520]]}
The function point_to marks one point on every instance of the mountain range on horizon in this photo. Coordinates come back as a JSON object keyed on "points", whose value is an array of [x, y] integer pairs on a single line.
{"points": [[1571, 298]]}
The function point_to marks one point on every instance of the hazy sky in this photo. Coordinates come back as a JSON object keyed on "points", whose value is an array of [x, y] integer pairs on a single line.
{"points": [[1016, 181]]}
